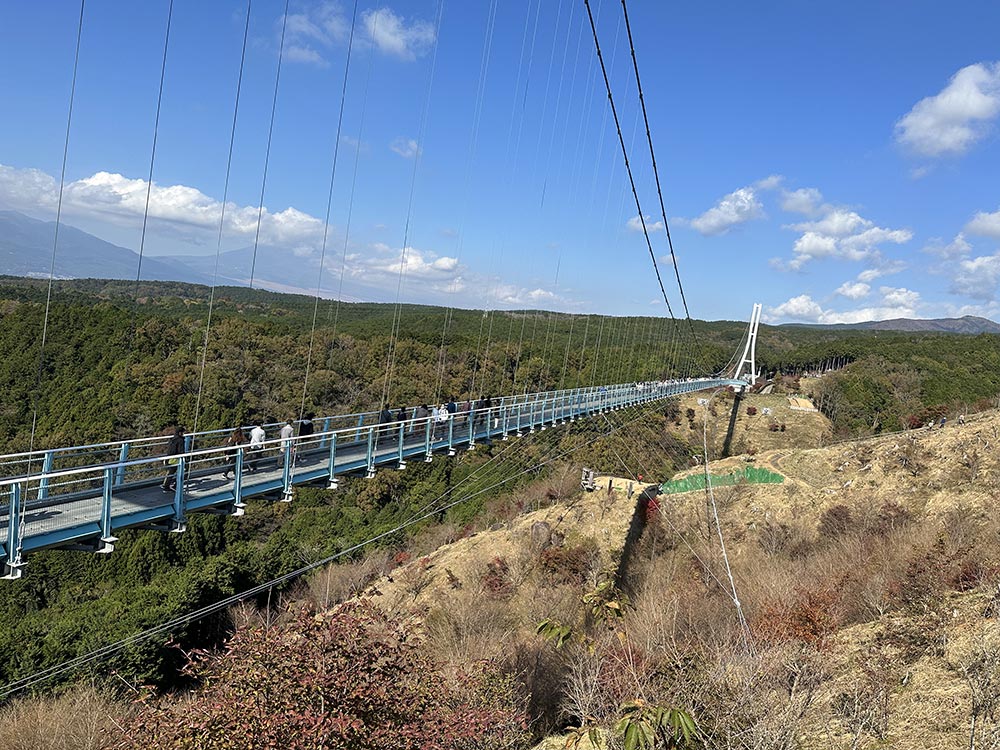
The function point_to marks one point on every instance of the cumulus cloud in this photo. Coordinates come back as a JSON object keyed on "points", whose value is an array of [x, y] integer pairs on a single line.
{"points": [[853, 289], [175, 209], [957, 248], [977, 277], [311, 33], [738, 207], [634, 225], [802, 201], [985, 224], [771, 182], [836, 232], [408, 148], [951, 121], [802, 308], [508, 294], [896, 302], [394, 36], [886, 268], [413, 263]]}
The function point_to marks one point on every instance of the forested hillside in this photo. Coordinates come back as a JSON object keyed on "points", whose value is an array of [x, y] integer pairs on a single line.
{"points": [[121, 361]]}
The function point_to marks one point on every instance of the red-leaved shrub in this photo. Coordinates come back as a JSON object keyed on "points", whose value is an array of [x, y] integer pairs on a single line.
{"points": [[348, 677]]}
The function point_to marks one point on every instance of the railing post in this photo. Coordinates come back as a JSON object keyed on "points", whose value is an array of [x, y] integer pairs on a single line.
{"points": [[13, 565], [505, 419], [326, 429], [332, 465], [122, 458], [286, 471], [429, 427], [370, 458], [357, 433], [43, 484], [107, 539], [400, 460], [451, 434], [179, 519], [238, 504]]}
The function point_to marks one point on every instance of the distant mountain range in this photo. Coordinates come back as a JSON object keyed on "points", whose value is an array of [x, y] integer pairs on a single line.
{"points": [[969, 324], [26, 250]]}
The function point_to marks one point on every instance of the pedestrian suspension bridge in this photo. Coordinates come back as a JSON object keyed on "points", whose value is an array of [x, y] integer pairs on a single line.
{"points": [[79, 497]]}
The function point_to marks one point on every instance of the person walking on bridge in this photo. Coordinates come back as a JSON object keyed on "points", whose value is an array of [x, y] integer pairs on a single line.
{"points": [[385, 419], [306, 428], [235, 440], [286, 433], [257, 438], [174, 448]]}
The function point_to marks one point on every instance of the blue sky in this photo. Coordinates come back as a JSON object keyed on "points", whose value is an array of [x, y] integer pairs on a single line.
{"points": [[837, 163]]}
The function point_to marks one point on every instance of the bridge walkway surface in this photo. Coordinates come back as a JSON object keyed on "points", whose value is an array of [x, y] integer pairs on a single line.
{"points": [[64, 498]]}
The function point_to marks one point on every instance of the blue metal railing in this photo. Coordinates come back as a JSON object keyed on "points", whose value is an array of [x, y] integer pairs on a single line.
{"points": [[53, 502]]}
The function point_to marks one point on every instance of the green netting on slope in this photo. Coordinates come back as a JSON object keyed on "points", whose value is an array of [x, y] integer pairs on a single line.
{"points": [[751, 474]]}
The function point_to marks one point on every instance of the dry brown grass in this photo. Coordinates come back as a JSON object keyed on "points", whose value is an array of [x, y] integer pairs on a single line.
{"points": [[81, 719]]}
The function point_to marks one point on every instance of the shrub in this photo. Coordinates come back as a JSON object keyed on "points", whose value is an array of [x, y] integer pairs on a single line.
{"points": [[835, 521], [349, 677], [566, 565], [496, 579], [751, 411], [811, 617]]}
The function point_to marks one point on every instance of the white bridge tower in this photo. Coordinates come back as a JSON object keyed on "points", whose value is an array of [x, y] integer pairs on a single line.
{"points": [[749, 358]]}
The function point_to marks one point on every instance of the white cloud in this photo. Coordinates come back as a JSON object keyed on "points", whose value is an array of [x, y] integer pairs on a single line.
{"points": [[885, 269], [771, 182], [309, 34], [853, 289], [838, 222], [414, 263], [951, 121], [634, 225], [408, 148], [802, 201], [985, 224], [797, 308], [838, 233], [977, 277], [812, 245], [175, 209], [899, 297], [508, 294], [897, 302], [393, 36], [738, 207], [957, 248]]}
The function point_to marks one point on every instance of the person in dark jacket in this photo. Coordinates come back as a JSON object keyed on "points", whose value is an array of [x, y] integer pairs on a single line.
{"points": [[174, 448], [306, 428]]}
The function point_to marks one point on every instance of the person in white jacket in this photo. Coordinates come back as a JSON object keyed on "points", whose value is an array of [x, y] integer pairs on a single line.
{"points": [[286, 433], [257, 438]]}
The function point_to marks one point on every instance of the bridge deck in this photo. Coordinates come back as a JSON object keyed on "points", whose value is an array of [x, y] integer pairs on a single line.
{"points": [[87, 505]]}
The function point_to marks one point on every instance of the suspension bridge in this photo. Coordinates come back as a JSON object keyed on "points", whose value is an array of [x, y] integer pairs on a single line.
{"points": [[79, 497]]}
